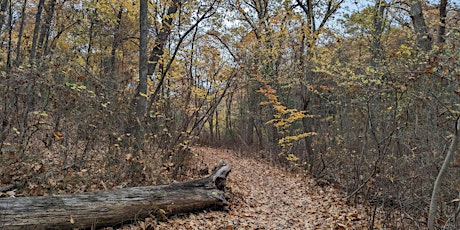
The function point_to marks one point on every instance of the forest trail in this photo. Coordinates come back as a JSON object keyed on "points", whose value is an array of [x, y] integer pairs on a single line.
{"points": [[264, 196]]}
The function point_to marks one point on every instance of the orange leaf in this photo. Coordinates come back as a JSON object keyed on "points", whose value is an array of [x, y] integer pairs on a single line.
{"points": [[58, 135]]}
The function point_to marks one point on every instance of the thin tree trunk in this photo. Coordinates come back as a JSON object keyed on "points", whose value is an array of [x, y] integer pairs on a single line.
{"points": [[217, 126], [376, 46], [228, 113], [116, 40], [38, 17], [305, 98], [442, 21], [250, 125], [163, 35], [90, 39], [3, 7], [211, 127], [440, 177], [44, 31], [18, 61], [10, 32], [155, 93], [140, 98]]}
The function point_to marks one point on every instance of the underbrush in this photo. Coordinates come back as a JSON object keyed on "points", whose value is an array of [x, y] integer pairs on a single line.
{"points": [[62, 136]]}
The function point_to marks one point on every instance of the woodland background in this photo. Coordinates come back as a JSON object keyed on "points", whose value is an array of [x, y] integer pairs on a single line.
{"points": [[362, 95]]}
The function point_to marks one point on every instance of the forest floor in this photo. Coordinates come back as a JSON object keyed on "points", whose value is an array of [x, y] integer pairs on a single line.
{"points": [[264, 196]]}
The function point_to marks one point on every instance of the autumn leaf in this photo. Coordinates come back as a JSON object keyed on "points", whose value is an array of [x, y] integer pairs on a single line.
{"points": [[129, 157], [58, 135]]}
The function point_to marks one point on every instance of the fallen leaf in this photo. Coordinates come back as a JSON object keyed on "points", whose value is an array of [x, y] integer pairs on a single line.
{"points": [[58, 135]]}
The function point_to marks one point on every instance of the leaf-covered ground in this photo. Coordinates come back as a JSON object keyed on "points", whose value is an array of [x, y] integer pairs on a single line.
{"points": [[263, 196]]}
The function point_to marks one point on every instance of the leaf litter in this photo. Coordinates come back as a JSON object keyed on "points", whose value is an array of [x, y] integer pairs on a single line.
{"points": [[264, 196]]}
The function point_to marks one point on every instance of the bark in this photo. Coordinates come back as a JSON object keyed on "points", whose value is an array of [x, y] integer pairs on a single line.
{"points": [[305, 98], [306, 123], [10, 33], [21, 30], [38, 17], [442, 21], [253, 111], [211, 128], [162, 37], [3, 7], [420, 27], [44, 31], [109, 208], [116, 41], [140, 98], [90, 37], [440, 177], [228, 113], [379, 12]]}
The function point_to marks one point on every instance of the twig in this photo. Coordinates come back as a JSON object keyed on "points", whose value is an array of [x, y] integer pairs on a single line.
{"points": [[7, 188]]}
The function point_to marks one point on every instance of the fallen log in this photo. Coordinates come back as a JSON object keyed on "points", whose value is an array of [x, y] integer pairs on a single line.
{"points": [[113, 207]]}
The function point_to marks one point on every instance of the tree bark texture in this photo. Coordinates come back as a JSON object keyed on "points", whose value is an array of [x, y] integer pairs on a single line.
{"points": [[45, 28], [38, 17], [21, 30], [420, 27], [113, 207], [3, 7], [442, 21]]}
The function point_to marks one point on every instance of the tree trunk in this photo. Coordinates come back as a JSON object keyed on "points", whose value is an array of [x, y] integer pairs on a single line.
{"points": [[113, 85], [3, 7], [44, 31], [420, 28], [162, 37], [442, 21], [38, 17], [140, 98], [109, 208], [440, 177], [379, 25], [21, 30], [10, 33], [90, 37]]}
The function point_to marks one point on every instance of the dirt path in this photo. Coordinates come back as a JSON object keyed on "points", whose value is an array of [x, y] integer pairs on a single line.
{"points": [[265, 197]]}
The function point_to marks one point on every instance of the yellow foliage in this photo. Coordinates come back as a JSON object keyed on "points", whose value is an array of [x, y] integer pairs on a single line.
{"points": [[289, 139], [292, 157]]}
